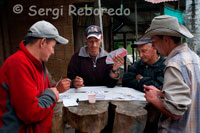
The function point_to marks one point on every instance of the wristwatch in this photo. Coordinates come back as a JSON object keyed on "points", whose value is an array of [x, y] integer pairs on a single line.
{"points": [[115, 71]]}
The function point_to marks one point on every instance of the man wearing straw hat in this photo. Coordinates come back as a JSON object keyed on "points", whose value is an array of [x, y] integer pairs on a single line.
{"points": [[178, 100]]}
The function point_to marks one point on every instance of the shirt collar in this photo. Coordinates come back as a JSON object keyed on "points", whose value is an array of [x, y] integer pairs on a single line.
{"points": [[176, 50], [84, 52]]}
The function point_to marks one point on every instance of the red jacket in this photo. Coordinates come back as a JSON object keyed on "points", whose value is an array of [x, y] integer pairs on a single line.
{"points": [[26, 102]]}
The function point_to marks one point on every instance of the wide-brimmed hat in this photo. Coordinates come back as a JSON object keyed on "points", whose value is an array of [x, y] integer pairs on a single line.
{"points": [[44, 29], [93, 31], [141, 42], [167, 25]]}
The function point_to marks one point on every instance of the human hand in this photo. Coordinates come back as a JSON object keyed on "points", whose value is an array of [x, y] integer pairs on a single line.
{"points": [[151, 87], [118, 61], [63, 85], [78, 82], [152, 94], [139, 76], [54, 89]]}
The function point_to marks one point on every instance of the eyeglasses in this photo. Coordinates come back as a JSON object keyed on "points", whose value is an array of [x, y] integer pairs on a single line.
{"points": [[93, 41]]}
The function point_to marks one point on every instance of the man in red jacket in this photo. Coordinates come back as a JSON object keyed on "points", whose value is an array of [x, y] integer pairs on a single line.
{"points": [[26, 96]]}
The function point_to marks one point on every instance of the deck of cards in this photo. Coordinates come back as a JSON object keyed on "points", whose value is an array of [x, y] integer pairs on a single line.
{"points": [[121, 51]]}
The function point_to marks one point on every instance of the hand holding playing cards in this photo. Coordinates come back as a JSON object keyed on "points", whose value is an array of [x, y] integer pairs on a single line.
{"points": [[120, 52], [116, 58], [118, 61]]}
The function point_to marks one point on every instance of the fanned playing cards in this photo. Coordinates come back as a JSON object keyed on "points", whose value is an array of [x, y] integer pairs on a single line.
{"points": [[121, 51]]}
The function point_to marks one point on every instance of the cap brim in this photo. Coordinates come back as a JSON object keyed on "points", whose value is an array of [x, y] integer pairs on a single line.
{"points": [[141, 42], [134, 45], [61, 40], [97, 36]]}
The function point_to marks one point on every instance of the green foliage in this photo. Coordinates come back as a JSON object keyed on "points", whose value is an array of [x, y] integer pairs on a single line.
{"points": [[121, 45]]}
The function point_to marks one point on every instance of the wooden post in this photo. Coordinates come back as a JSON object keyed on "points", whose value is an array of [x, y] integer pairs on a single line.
{"points": [[90, 118], [125, 46]]}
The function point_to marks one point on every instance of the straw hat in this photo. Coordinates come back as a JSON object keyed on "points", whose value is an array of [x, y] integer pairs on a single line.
{"points": [[167, 25]]}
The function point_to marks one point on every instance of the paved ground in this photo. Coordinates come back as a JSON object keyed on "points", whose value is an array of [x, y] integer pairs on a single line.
{"points": [[69, 129]]}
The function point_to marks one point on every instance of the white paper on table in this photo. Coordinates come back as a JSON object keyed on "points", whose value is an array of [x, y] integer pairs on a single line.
{"points": [[100, 95], [80, 96], [103, 93], [71, 90], [125, 93], [64, 96], [93, 88], [69, 102]]}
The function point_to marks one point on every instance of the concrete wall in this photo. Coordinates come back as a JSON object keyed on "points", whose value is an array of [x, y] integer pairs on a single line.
{"points": [[193, 23]]}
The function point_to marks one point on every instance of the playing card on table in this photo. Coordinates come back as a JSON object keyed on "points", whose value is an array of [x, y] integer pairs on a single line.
{"points": [[121, 51]]}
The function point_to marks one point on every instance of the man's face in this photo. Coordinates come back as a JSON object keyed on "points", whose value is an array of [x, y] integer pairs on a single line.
{"points": [[93, 45], [47, 49], [160, 45], [146, 52]]}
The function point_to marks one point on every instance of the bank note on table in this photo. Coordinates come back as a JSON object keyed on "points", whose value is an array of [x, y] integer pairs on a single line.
{"points": [[121, 51]]}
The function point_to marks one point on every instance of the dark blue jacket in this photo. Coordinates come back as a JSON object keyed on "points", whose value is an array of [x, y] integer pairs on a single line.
{"points": [[152, 75]]}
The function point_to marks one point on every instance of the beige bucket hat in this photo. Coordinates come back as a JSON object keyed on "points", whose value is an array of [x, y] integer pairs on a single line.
{"points": [[167, 25]]}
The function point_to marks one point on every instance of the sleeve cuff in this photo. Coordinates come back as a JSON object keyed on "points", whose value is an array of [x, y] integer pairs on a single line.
{"points": [[173, 109], [50, 93]]}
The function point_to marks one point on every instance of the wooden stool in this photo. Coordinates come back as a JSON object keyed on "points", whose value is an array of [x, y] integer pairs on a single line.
{"points": [[57, 120], [90, 118], [130, 116]]}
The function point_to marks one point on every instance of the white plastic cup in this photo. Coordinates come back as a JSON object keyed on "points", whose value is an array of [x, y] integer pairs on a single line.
{"points": [[92, 98]]}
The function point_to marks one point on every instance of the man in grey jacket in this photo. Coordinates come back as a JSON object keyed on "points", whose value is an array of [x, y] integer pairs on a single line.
{"points": [[88, 66]]}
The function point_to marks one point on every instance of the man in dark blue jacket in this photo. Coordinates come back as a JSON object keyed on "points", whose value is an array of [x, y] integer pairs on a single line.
{"points": [[149, 70]]}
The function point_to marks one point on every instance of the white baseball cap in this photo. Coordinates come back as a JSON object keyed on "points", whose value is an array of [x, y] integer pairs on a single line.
{"points": [[93, 31]]}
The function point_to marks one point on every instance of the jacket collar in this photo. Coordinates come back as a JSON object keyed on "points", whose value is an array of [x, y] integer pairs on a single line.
{"points": [[157, 63], [84, 52], [35, 61], [176, 50]]}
